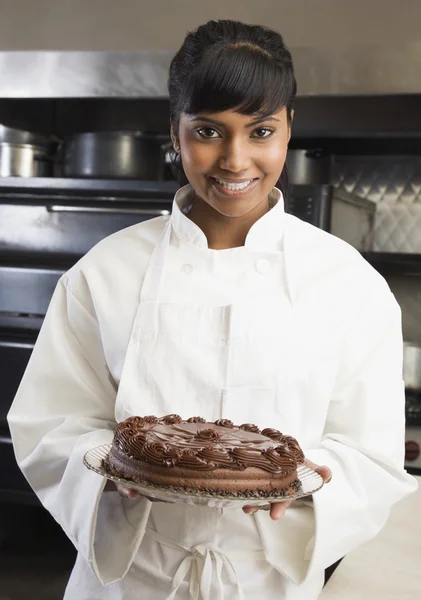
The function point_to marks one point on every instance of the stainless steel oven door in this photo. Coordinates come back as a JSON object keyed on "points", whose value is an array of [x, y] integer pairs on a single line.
{"points": [[15, 351], [25, 293], [60, 233]]}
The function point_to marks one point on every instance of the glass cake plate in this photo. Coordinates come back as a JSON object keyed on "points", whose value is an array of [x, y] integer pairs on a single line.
{"points": [[311, 482]]}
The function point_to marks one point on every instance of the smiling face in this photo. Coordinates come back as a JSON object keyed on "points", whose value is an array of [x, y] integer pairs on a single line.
{"points": [[232, 160]]}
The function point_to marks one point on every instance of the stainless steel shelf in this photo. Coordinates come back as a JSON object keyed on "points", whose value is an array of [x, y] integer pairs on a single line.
{"points": [[25, 190], [389, 263]]}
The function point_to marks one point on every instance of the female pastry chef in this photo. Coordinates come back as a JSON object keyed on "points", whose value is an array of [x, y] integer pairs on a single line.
{"points": [[230, 308]]}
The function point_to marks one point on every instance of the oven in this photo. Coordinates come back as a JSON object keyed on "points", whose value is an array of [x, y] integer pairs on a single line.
{"points": [[25, 292], [46, 225], [15, 350]]}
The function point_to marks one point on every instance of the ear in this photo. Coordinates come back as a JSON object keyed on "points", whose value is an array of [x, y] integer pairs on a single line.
{"points": [[174, 140]]}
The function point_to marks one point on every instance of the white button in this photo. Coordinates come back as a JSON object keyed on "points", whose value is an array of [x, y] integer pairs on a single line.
{"points": [[263, 266], [187, 269]]}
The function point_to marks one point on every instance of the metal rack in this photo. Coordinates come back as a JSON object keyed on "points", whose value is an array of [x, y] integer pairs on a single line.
{"points": [[389, 263], [28, 190]]}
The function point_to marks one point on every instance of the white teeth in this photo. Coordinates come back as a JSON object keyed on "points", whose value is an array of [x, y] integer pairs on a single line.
{"points": [[234, 186]]}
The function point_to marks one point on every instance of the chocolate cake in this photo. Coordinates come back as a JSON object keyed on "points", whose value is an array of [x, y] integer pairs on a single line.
{"points": [[217, 458]]}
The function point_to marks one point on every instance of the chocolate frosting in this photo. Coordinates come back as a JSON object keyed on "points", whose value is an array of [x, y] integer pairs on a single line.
{"points": [[250, 427], [274, 434], [204, 446], [224, 423]]}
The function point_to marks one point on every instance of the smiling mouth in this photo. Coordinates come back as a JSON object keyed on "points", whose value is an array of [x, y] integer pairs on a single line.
{"points": [[234, 188], [234, 185]]}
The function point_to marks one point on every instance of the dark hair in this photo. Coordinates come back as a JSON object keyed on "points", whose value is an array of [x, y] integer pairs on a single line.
{"points": [[226, 65]]}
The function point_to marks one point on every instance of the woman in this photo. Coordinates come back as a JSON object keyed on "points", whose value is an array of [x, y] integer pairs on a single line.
{"points": [[232, 309]]}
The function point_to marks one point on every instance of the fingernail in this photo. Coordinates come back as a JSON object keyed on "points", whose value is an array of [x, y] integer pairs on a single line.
{"points": [[250, 511]]}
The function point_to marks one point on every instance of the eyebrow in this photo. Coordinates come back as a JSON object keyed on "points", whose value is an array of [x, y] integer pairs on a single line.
{"points": [[252, 124]]}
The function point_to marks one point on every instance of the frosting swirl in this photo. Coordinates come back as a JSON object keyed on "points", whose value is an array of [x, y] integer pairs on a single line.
{"points": [[250, 427], [171, 419], [200, 445], [283, 462], [130, 435], [151, 420], [224, 423], [294, 448], [190, 459], [136, 422], [208, 435], [220, 457], [159, 454], [273, 434]]}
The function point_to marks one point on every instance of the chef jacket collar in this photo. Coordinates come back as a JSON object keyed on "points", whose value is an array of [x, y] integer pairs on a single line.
{"points": [[265, 235]]}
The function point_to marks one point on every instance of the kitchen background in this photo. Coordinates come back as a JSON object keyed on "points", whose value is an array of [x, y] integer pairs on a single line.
{"points": [[68, 68]]}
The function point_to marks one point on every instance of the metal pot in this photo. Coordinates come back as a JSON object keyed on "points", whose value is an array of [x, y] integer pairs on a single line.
{"points": [[309, 167], [25, 154], [412, 366], [24, 161], [112, 155]]}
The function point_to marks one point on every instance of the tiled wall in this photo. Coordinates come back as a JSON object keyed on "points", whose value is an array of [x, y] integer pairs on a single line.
{"points": [[394, 183]]}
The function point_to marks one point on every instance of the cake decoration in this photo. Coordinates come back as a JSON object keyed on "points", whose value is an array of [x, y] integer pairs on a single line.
{"points": [[213, 457]]}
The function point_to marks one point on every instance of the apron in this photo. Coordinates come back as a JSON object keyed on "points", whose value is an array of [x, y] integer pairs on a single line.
{"points": [[198, 359]]}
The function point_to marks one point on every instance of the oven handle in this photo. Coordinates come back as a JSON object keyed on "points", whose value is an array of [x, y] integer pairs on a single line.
{"points": [[8, 343], [5, 439], [107, 210]]}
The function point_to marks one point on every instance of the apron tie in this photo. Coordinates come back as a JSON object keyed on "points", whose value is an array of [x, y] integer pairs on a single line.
{"points": [[202, 561]]}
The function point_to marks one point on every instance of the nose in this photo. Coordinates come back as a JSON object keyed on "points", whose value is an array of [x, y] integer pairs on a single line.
{"points": [[235, 156]]}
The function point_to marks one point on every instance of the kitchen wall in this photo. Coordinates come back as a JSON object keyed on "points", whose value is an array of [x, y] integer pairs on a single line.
{"points": [[394, 184], [155, 24]]}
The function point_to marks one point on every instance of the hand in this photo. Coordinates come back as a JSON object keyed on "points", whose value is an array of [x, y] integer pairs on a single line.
{"points": [[278, 509], [127, 492]]}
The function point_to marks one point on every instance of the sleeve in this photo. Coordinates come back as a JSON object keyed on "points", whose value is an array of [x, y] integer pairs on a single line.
{"points": [[364, 437], [363, 443], [63, 408]]}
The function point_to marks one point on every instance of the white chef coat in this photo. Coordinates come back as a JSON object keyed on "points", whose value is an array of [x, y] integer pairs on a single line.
{"points": [[341, 378]]}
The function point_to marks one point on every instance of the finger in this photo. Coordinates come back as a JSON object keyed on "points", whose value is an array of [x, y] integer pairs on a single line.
{"points": [[130, 494], [126, 492], [322, 470], [250, 510], [328, 476], [278, 509], [325, 473]]}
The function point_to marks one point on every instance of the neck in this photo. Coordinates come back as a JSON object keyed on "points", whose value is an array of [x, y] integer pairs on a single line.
{"points": [[221, 231]]}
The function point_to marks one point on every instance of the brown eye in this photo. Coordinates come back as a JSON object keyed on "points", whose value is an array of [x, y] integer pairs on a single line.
{"points": [[263, 132], [208, 132]]}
